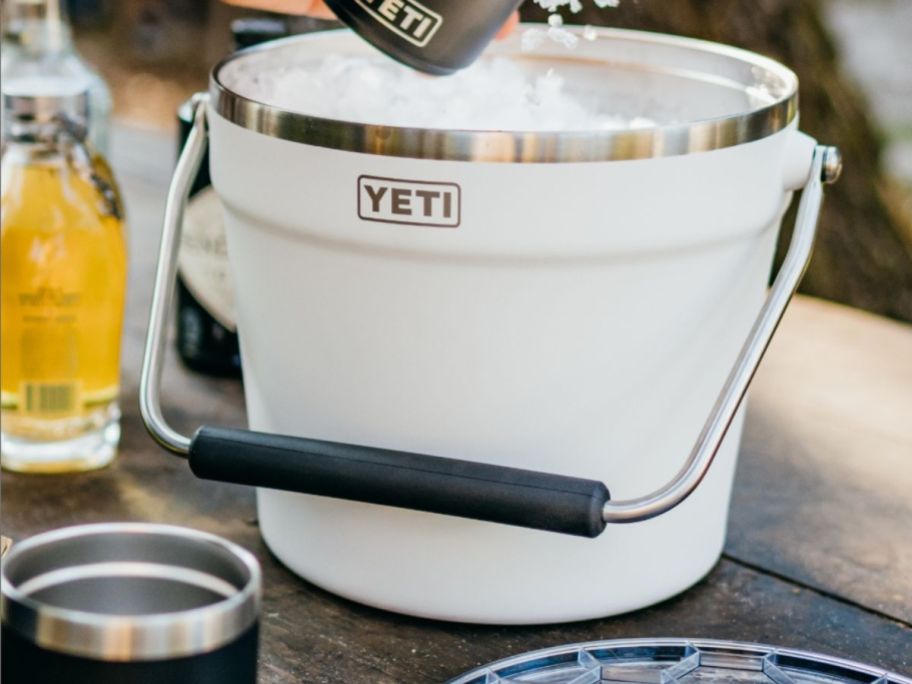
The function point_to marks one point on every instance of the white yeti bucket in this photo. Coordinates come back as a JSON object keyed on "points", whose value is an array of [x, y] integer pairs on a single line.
{"points": [[452, 338]]}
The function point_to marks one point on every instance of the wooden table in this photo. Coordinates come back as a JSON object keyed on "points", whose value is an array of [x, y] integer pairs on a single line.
{"points": [[819, 554]]}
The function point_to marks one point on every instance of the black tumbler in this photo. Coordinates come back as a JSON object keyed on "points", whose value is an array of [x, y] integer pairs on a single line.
{"points": [[124, 602], [435, 36]]}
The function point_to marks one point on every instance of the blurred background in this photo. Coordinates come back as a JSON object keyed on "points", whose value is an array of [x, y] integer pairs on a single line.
{"points": [[854, 58]]}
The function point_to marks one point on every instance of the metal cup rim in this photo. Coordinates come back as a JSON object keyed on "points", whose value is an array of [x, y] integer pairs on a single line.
{"points": [[112, 637]]}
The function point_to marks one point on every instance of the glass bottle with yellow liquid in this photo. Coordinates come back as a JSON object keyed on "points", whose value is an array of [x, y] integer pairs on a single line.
{"points": [[63, 267]]}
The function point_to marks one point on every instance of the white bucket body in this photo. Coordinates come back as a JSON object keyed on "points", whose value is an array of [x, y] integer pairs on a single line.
{"points": [[581, 319]]}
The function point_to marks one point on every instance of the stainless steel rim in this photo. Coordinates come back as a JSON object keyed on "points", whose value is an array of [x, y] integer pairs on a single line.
{"points": [[526, 147], [591, 650], [153, 636]]}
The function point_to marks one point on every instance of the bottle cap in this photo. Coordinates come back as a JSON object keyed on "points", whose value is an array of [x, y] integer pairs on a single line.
{"points": [[24, 18], [435, 36], [32, 104]]}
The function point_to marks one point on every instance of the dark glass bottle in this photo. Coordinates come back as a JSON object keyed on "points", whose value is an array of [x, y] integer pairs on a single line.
{"points": [[205, 343], [207, 339]]}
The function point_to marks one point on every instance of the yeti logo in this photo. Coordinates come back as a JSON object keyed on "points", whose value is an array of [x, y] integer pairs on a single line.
{"points": [[407, 18], [409, 202]]}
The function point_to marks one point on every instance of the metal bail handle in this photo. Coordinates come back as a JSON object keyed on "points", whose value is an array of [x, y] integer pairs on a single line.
{"points": [[433, 484]]}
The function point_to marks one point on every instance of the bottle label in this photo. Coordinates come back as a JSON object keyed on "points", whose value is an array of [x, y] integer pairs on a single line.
{"points": [[203, 259], [49, 398]]}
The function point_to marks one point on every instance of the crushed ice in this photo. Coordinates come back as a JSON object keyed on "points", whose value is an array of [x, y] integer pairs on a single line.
{"points": [[493, 94], [533, 38]]}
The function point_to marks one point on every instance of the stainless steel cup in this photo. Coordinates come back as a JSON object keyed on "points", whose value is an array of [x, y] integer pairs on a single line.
{"points": [[127, 602]]}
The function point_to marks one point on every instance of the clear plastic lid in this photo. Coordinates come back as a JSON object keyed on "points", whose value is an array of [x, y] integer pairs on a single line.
{"points": [[675, 661]]}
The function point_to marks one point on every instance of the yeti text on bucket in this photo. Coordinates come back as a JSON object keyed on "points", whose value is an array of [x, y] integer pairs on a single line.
{"points": [[410, 202]]}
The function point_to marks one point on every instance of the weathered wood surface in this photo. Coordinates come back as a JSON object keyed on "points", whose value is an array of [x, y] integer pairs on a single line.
{"points": [[819, 551], [823, 492]]}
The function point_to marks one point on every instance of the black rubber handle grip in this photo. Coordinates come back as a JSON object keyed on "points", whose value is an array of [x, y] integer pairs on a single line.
{"points": [[511, 496]]}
